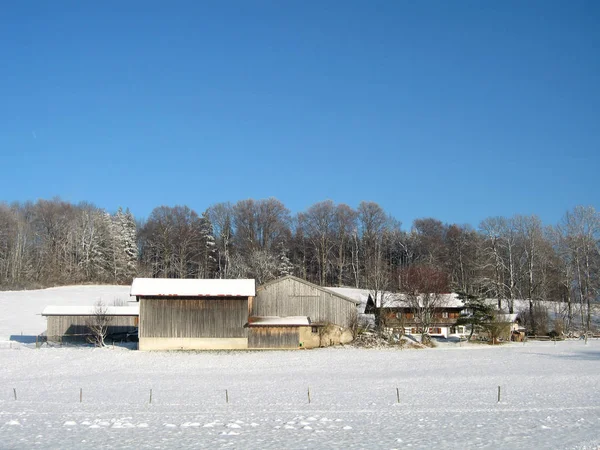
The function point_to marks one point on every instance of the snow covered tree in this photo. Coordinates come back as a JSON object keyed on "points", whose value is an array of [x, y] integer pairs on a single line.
{"points": [[285, 265], [208, 252]]}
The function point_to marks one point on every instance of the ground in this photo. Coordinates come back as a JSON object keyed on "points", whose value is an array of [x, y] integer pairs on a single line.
{"points": [[448, 396], [550, 398]]}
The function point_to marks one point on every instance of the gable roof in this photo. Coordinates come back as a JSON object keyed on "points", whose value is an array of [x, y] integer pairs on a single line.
{"points": [[179, 287], [308, 283]]}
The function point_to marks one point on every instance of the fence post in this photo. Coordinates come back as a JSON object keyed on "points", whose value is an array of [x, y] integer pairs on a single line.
{"points": [[150, 396], [80, 395], [398, 394], [309, 394], [498, 394], [226, 396], [15, 392]]}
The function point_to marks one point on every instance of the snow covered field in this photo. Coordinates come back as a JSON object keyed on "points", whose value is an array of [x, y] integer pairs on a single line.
{"points": [[550, 394], [448, 398]]}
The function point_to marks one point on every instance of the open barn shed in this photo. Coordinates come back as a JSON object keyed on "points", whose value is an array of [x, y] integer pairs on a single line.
{"points": [[282, 333], [292, 296], [71, 322], [191, 314]]}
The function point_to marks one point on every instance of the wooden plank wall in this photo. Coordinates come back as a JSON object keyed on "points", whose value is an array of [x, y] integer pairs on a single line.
{"points": [[273, 337], [289, 297], [77, 325], [193, 318]]}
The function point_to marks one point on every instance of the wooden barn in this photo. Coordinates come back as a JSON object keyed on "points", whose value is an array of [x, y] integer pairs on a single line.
{"points": [[292, 296], [71, 322], [189, 314], [282, 333]]}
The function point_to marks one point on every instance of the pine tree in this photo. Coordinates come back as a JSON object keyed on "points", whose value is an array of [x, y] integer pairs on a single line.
{"points": [[478, 313], [209, 247], [130, 247], [124, 246], [285, 266]]}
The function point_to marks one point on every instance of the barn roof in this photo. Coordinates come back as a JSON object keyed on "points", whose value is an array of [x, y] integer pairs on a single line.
{"points": [[178, 287], [276, 321], [54, 310], [308, 283]]}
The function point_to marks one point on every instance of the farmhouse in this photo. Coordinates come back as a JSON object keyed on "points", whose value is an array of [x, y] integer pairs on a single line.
{"points": [[71, 322], [396, 314], [292, 296], [399, 315], [191, 314]]}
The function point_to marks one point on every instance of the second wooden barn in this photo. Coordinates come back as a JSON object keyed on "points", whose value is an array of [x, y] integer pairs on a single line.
{"points": [[71, 323], [188, 314], [282, 333], [292, 296]]}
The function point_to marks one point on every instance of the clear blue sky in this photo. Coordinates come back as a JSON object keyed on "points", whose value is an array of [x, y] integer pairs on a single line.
{"points": [[456, 110]]}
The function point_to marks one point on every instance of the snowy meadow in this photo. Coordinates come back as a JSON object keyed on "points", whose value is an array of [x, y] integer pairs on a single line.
{"points": [[447, 397], [94, 398]]}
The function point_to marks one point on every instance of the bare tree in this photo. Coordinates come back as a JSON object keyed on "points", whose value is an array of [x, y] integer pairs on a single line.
{"points": [[98, 324], [424, 290], [319, 221]]}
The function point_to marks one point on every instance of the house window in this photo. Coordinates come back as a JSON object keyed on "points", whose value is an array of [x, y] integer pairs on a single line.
{"points": [[314, 329], [445, 314], [398, 315]]}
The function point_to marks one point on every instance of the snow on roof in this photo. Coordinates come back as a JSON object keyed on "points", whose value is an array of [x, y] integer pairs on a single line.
{"points": [[395, 300], [388, 299], [54, 310], [176, 287], [276, 321], [358, 295]]}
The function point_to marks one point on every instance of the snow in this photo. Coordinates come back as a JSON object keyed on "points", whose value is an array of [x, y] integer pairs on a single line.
{"points": [[56, 310], [270, 321], [550, 393], [390, 299], [359, 295], [550, 398], [20, 311], [192, 287]]}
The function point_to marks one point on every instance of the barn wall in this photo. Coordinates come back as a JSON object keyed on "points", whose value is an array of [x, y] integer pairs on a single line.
{"points": [[193, 318], [273, 337], [289, 297], [77, 325]]}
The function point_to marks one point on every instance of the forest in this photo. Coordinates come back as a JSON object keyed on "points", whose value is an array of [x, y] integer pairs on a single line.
{"points": [[53, 242]]}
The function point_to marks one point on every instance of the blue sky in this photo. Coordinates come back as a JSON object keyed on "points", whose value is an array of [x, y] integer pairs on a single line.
{"points": [[455, 110]]}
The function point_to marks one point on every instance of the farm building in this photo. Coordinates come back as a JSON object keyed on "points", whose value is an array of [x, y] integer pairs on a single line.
{"points": [[191, 314], [402, 316], [71, 322], [282, 332], [291, 296], [394, 313]]}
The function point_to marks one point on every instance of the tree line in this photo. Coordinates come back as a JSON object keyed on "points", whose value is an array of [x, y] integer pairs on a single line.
{"points": [[52, 242]]}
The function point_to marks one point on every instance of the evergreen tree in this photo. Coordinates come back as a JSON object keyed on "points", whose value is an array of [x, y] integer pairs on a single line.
{"points": [[478, 313], [209, 247], [285, 266], [124, 246]]}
